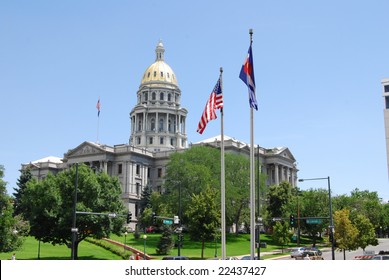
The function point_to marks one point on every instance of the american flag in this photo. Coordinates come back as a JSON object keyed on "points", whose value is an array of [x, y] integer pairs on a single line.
{"points": [[214, 102], [247, 76], [98, 107]]}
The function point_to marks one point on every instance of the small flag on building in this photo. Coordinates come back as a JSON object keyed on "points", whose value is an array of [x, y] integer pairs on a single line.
{"points": [[98, 107]]}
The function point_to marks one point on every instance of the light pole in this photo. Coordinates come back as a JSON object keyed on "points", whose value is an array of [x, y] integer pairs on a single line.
{"points": [[125, 240], [74, 230], [331, 219], [179, 219], [144, 246]]}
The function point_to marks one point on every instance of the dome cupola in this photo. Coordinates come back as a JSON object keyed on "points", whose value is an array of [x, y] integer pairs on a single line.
{"points": [[159, 71]]}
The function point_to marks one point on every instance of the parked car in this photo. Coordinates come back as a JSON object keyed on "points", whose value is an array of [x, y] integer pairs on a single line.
{"points": [[296, 252], [248, 257], [380, 257], [309, 255], [315, 249], [175, 258], [150, 229]]}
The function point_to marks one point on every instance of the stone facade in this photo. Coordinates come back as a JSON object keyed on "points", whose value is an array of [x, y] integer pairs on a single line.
{"points": [[157, 130]]}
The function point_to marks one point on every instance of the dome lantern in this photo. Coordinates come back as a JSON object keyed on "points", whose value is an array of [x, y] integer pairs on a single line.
{"points": [[159, 71]]}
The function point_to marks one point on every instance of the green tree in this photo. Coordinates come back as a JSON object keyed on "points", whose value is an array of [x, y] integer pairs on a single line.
{"points": [[384, 224], [237, 189], [281, 234], [12, 229], [189, 173], [366, 203], [203, 217], [25, 176], [49, 205], [366, 234], [314, 203], [279, 199], [145, 201], [166, 242], [346, 233]]}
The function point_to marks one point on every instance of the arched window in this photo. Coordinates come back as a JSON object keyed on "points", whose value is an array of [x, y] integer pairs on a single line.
{"points": [[139, 125], [169, 97], [153, 96], [152, 124], [160, 125], [161, 96]]}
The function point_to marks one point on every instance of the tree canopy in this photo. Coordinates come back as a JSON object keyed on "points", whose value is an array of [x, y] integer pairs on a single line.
{"points": [[12, 228], [49, 204]]}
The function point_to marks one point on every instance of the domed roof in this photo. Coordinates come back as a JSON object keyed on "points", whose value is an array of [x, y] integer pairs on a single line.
{"points": [[159, 71]]}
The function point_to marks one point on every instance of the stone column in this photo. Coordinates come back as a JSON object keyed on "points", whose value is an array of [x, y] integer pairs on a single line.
{"points": [[276, 174]]}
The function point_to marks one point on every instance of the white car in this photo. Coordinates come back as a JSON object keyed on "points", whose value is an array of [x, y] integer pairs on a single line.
{"points": [[296, 252], [380, 257]]}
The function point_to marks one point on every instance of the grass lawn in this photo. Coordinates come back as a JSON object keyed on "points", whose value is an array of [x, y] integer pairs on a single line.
{"points": [[236, 245], [86, 251]]}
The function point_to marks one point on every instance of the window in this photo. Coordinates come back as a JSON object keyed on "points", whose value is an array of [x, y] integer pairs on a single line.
{"points": [[150, 140], [148, 75], [160, 125], [161, 74], [138, 140], [139, 125], [137, 169], [155, 73], [159, 172], [137, 189], [386, 102], [169, 97], [152, 126], [153, 96], [120, 168], [170, 126], [161, 96], [161, 140], [386, 88]]}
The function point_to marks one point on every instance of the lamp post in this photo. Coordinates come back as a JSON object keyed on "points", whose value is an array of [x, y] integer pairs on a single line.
{"points": [[331, 219], [74, 230], [125, 241], [179, 219], [144, 246]]}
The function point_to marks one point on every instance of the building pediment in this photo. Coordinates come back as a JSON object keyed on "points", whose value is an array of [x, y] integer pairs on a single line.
{"points": [[86, 148], [280, 152]]}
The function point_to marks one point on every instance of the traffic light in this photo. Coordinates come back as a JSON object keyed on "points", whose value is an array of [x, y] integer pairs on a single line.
{"points": [[291, 220], [154, 218], [129, 217]]}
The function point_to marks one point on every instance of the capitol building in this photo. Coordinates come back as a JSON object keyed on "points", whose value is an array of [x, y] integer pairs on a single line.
{"points": [[157, 130]]}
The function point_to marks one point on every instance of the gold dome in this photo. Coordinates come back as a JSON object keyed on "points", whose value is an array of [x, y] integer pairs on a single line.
{"points": [[159, 71]]}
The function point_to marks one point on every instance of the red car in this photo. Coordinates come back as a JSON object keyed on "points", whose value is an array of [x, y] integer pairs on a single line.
{"points": [[150, 229]]}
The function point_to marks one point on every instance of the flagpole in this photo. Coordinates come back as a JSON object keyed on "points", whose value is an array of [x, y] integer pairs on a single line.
{"points": [[222, 180], [98, 118], [252, 180], [98, 126]]}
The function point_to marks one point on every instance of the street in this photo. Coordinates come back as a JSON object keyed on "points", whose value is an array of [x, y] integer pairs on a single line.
{"points": [[383, 245]]}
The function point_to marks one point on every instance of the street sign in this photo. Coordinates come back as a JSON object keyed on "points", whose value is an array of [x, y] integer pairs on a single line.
{"points": [[167, 222], [313, 221]]}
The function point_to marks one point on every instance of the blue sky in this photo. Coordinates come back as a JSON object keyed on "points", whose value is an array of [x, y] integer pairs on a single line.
{"points": [[318, 65]]}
